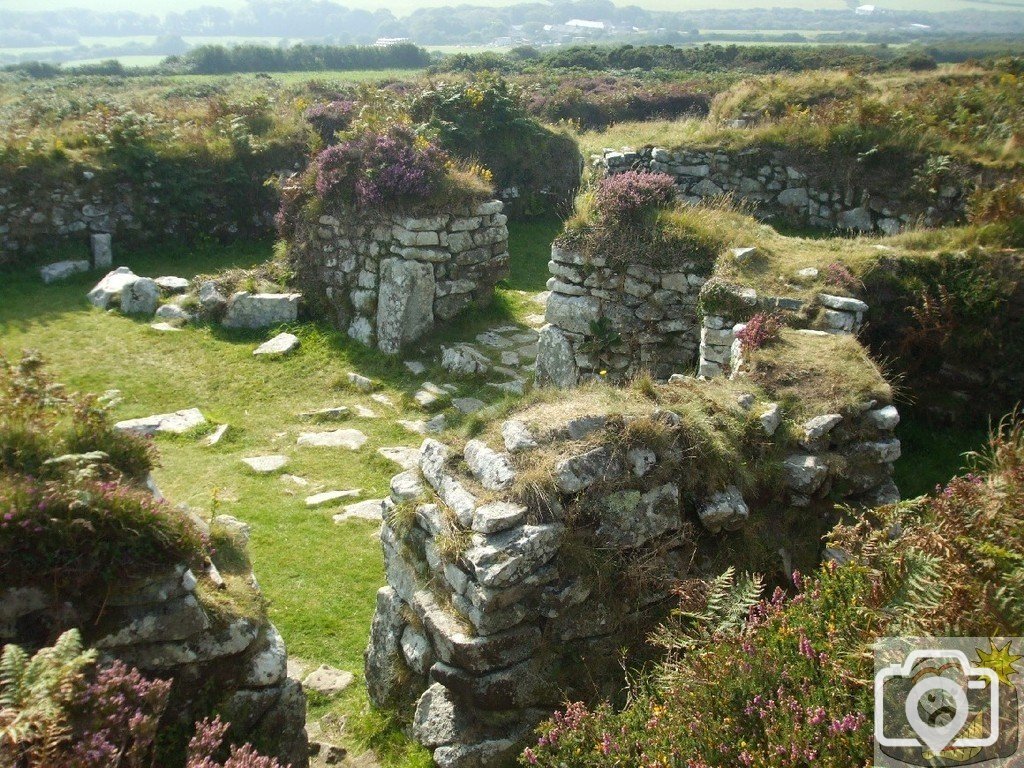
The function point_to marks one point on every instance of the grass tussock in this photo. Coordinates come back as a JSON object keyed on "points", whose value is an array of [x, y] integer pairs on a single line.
{"points": [[814, 374]]}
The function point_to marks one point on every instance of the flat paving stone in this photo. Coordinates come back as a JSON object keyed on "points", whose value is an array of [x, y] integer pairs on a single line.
{"points": [[174, 423], [363, 510], [350, 439], [281, 344], [264, 465], [329, 497], [336, 413], [365, 413], [468, 405], [164, 327], [403, 456]]}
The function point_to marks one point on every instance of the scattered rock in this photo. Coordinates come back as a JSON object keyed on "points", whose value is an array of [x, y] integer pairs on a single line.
{"points": [[403, 456], [216, 436], [173, 314], [174, 423], [415, 367], [328, 680], [264, 465], [361, 383], [109, 288], [211, 299], [165, 327], [281, 344], [62, 270], [329, 497], [364, 412], [140, 297], [364, 510], [170, 284], [468, 405], [517, 437], [771, 418], [350, 439], [260, 310]]}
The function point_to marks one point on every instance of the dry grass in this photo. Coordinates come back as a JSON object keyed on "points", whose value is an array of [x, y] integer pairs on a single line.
{"points": [[813, 374]]}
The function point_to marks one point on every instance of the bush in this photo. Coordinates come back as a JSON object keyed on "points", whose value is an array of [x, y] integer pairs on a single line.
{"points": [[779, 681], [631, 197], [41, 421], [328, 119], [377, 168], [760, 331], [80, 538], [485, 121], [60, 709]]}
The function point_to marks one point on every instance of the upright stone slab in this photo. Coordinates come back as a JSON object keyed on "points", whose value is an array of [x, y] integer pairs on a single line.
{"points": [[405, 306], [102, 252]]}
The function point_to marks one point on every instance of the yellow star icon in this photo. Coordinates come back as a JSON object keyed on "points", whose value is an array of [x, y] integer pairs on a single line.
{"points": [[999, 660]]}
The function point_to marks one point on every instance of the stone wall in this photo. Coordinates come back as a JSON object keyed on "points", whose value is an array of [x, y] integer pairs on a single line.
{"points": [[605, 322], [619, 321], [62, 206], [160, 625], [721, 350], [502, 604], [811, 191], [387, 278]]}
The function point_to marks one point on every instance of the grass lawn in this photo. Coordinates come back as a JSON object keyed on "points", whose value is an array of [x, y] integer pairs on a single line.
{"points": [[319, 577]]}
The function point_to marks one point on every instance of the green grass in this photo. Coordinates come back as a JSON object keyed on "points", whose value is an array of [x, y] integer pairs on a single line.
{"points": [[319, 578]]}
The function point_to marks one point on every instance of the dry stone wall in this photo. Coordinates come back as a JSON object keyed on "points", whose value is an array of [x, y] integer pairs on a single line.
{"points": [[617, 320], [386, 279], [492, 617], [159, 625], [37, 213], [783, 188]]}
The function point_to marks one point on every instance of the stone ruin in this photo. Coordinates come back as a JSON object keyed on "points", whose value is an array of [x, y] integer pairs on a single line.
{"points": [[495, 612], [520, 561], [781, 187], [160, 625], [387, 278], [657, 321]]}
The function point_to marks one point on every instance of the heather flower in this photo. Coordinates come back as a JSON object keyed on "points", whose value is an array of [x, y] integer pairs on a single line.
{"points": [[631, 196], [377, 168], [762, 329], [330, 118]]}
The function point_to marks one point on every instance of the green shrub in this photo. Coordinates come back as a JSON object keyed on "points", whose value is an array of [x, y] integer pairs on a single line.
{"points": [[40, 421]]}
